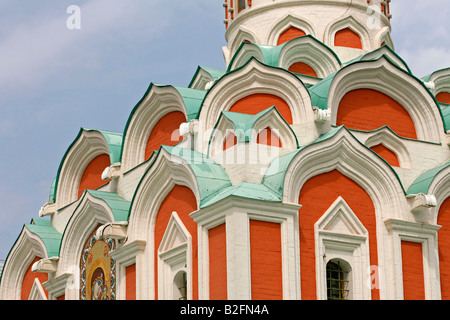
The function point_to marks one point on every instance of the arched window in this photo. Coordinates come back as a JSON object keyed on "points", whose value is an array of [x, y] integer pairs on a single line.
{"points": [[347, 38], [337, 281], [92, 175], [289, 34], [443, 97], [180, 286]]}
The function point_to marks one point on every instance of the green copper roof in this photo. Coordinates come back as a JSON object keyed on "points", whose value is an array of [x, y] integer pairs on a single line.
{"points": [[271, 54], [118, 205], [48, 234], [276, 172], [446, 117], [114, 142], [193, 100], [363, 57], [423, 182], [213, 72], [244, 190], [211, 177]]}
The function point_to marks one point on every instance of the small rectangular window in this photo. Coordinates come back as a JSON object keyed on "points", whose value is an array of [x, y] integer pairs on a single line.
{"points": [[241, 5]]}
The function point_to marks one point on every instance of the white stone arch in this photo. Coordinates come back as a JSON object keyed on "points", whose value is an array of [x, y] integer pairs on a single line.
{"points": [[343, 152], [384, 35], [27, 246], [440, 81], [90, 212], [245, 52], [254, 78], [242, 34], [393, 142], [384, 76], [87, 146], [440, 188], [312, 52], [287, 21], [157, 102], [166, 172], [353, 24]]}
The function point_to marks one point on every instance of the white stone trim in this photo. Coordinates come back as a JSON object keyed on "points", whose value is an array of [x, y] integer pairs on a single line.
{"points": [[340, 235], [381, 75], [426, 234], [159, 101]]}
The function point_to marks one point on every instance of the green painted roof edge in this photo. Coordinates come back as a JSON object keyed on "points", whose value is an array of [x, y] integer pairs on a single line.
{"points": [[312, 91], [243, 66], [423, 182], [428, 77], [48, 234], [274, 178], [213, 72], [271, 54], [188, 101], [207, 185], [359, 58], [244, 190], [109, 136]]}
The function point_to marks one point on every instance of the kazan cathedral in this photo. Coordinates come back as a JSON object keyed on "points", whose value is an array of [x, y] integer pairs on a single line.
{"points": [[316, 166]]}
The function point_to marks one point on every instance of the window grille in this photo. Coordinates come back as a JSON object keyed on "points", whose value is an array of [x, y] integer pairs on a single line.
{"points": [[337, 283]]}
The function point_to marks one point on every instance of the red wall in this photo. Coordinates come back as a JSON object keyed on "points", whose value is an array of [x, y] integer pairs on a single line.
{"points": [[303, 68], [412, 264], [367, 110], [289, 34], [162, 132], [444, 248], [265, 257], [443, 97], [347, 38], [256, 103], [182, 200], [130, 276], [386, 154], [28, 280], [316, 196], [92, 175], [217, 263], [269, 138]]}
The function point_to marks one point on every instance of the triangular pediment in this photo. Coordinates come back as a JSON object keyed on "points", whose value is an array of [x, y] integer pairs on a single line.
{"points": [[175, 235], [339, 218]]}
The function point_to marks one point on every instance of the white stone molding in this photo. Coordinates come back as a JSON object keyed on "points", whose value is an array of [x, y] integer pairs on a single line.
{"points": [[158, 102], [245, 52], [37, 291], [243, 34], [27, 247], [312, 52], [88, 145], [383, 76], [174, 255], [384, 35], [46, 265], [89, 213], [440, 81], [354, 24], [393, 142], [250, 79], [290, 19], [376, 54], [440, 189], [340, 235], [346, 154], [166, 172], [426, 234], [125, 256]]}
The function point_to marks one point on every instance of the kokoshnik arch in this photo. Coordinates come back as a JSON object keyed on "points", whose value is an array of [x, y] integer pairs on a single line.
{"points": [[314, 166]]}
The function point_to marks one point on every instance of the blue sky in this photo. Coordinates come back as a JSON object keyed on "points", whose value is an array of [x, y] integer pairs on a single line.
{"points": [[54, 80]]}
